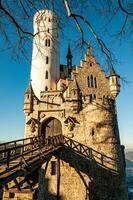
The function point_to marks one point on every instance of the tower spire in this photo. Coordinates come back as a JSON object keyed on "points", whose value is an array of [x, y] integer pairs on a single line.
{"points": [[69, 56], [69, 61]]}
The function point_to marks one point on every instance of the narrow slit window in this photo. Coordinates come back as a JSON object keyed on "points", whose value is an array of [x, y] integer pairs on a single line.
{"points": [[53, 168], [46, 75], [94, 97], [47, 60], [92, 132]]}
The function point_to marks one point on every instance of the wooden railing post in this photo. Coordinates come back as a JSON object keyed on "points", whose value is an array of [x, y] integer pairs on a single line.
{"points": [[8, 158], [102, 159]]}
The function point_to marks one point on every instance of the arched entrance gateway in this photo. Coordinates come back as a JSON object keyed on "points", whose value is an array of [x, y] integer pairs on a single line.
{"points": [[51, 127]]}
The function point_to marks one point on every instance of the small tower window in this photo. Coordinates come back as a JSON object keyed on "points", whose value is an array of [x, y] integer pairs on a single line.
{"points": [[48, 30], [46, 88], [47, 60], [95, 81], [88, 81], [49, 19], [46, 75], [92, 84]]}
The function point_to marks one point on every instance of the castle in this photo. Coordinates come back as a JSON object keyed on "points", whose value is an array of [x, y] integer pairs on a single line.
{"points": [[78, 102]]}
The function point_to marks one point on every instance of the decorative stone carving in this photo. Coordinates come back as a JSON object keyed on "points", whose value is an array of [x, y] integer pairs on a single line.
{"points": [[32, 124], [42, 114], [32, 127]]}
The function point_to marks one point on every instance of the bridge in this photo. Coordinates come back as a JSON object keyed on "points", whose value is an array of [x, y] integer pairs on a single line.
{"points": [[21, 158]]}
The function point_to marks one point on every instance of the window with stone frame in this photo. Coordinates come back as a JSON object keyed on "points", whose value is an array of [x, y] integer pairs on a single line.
{"points": [[95, 82], [91, 81], [88, 81]]}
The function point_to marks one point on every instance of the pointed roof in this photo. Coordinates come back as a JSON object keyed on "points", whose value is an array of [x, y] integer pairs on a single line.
{"points": [[113, 72], [69, 53], [29, 89]]}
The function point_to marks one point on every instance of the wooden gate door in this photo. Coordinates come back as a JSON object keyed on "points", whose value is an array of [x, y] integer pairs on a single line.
{"points": [[51, 127]]}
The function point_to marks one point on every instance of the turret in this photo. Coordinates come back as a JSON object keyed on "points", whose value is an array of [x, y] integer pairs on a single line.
{"points": [[45, 56], [28, 102], [75, 96], [69, 61], [114, 83]]}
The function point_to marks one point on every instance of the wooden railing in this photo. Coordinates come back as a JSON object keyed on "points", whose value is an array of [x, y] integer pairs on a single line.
{"points": [[12, 150], [21, 157], [91, 154]]}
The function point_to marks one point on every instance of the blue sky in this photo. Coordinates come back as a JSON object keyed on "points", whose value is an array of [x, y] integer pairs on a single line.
{"points": [[15, 77]]}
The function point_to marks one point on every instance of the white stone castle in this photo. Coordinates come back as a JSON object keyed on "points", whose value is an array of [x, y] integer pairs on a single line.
{"points": [[78, 102]]}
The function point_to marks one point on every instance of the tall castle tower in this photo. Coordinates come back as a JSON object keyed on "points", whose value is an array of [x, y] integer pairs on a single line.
{"points": [[83, 109], [45, 57]]}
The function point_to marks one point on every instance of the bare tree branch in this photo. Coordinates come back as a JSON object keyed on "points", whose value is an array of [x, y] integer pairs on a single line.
{"points": [[14, 21], [123, 9], [103, 47]]}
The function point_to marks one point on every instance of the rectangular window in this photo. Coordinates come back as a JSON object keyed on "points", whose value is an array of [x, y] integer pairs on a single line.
{"points": [[11, 195]]}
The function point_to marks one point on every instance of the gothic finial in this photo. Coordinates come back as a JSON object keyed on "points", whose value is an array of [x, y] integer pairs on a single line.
{"points": [[112, 71], [69, 54], [89, 50], [69, 60]]}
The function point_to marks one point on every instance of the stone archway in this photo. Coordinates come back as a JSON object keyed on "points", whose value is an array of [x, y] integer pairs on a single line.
{"points": [[51, 127]]}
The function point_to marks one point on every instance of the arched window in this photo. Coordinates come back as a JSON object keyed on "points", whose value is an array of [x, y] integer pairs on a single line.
{"points": [[92, 84], [48, 30], [49, 19], [95, 81], [47, 59], [47, 42], [88, 81], [46, 88], [94, 96], [46, 75]]}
